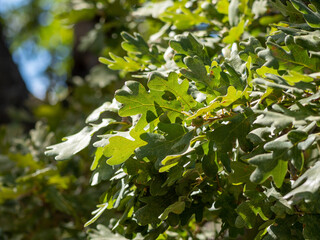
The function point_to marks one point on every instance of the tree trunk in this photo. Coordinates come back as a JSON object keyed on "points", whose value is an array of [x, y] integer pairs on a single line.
{"points": [[13, 91], [83, 60]]}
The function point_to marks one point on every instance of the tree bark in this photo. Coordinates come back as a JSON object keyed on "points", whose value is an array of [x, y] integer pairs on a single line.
{"points": [[83, 60], [13, 91]]}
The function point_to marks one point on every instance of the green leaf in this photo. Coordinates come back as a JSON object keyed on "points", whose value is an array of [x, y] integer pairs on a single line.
{"points": [[161, 146], [248, 213], [157, 233], [102, 172], [209, 165], [267, 19], [120, 194], [225, 136], [312, 18], [136, 100], [260, 135], [307, 143], [286, 9], [118, 63], [234, 33], [307, 39], [157, 187], [265, 70], [149, 214], [305, 185], [273, 119], [173, 175], [249, 49], [157, 82], [237, 70], [280, 230], [295, 77], [316, 5], [171, 160], [269, 164], [202, 124], [296, 158], [270, 60], [296, 136], [298, 116], [231, 96], [240, 172], [128, 208], [107, 106], [271, 84], [197, 72], [281, 207], [137, 45], [297, 57], [75, 143], [277, 145], [121, 146], [177, 208], [190, 46]]}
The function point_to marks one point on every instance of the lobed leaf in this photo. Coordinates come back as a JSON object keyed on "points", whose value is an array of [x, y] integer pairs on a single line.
{"points": [[136, 100], [75, 143], [269, 164], [190, 46], [118, 63], [306, 185], [157, 82], [121, 146]]}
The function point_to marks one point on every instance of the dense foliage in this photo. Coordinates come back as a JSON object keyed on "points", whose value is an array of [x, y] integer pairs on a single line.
{"points": [[224, 132], [217, 136]]}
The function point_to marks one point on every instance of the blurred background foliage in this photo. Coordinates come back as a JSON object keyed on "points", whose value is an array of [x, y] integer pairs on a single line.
{"points": [[55, 45]]}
